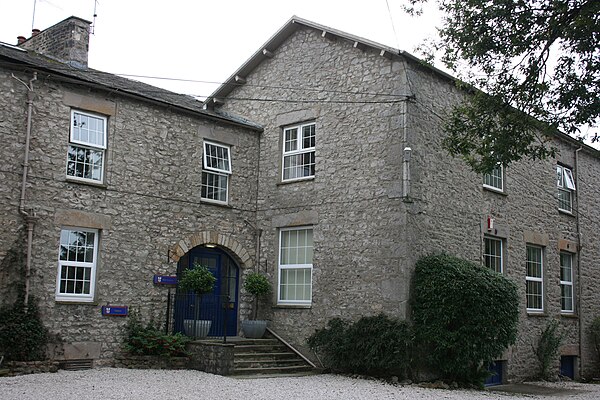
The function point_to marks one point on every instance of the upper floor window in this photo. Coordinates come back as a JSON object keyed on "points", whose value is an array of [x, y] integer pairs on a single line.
{"points": [[295, 265], [492, 254], [534, 290], [77, 257], [495, 179], [566, 282], [87, 145], [216, 163], [566, 187], [299, 152]]}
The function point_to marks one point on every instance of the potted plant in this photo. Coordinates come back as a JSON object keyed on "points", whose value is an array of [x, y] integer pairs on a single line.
{"points": [[257, 285], [198, 280]]}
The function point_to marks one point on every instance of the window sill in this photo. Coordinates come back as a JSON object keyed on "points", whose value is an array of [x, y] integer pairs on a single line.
{"points": [[568, 315], [215, 203], [494, 190], [87, 183], [533, 313], [308, 178], [565, 212], [77, 302], [297, 306]]}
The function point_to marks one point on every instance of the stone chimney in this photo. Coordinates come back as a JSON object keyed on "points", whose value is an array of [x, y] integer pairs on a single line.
{"points": [[68, 41]]}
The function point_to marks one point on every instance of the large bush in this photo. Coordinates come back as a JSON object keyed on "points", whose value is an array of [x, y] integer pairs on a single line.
{"points": [[149, 340], [377, 346], [464, 316], [23, 337]]}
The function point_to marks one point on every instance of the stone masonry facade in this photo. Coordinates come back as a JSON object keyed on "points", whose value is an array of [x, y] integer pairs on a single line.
{"points": [[374, 207], [368, 233]]}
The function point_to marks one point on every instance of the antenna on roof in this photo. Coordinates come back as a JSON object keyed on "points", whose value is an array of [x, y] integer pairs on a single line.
{"points": [[93, 27], [33, 17]]}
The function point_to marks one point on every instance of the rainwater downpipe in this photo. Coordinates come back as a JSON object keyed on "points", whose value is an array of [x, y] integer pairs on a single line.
{"points": [[580, 246], [29, 216]]}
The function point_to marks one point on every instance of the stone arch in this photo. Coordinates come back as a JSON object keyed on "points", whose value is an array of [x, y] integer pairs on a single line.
{"points": [[226, 242]]}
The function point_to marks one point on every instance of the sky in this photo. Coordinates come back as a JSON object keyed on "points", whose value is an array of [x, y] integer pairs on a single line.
{"points": [[205, 40]]}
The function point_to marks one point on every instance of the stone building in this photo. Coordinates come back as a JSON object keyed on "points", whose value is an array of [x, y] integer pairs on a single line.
{"points": [[126, 179], [325, 171], [353, 175]]}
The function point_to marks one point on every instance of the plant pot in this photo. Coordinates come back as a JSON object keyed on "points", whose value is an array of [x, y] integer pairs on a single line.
{"points": [[254, 329], [196, 328]]}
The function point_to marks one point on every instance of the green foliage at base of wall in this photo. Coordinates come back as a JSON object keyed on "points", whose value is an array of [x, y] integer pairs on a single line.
{"points": [[149, 340], [23, 337], [464, 317], [547, 348], [594, 331], [376, 346]]}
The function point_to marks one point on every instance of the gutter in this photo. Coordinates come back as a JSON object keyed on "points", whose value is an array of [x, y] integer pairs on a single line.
{"points": [[28, 215], [579, 248]]}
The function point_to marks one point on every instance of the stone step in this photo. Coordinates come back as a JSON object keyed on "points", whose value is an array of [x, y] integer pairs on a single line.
{"points": [[274, 370], [266, 356], [260, 348], [269, 363]]}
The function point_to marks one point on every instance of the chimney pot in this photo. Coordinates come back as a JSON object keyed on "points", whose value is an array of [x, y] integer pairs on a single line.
{"points": [[21, 39], [35, 32]]}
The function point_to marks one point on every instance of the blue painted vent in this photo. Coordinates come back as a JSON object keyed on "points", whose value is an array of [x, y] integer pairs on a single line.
{"points": [[495, 369]]}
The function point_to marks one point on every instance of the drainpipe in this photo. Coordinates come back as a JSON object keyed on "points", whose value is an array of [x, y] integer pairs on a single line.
{"points": [[29, 215], [578, 228], [406, 173]]}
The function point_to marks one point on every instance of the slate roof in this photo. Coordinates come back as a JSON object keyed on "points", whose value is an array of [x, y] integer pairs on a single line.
{"points": [[13, 57]]}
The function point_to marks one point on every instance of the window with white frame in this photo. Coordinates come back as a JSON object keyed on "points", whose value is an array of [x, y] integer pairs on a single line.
{"points": [[298, 152], [566, 187], [87, 145], [566, 282], [534, 290], [295, 265], [216, 163], [77, 258], [492, 254], [495, 179]]}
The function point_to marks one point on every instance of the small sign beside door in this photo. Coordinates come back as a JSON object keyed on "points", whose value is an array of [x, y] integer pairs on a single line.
{"points": [[165, 280], [115, 311]]}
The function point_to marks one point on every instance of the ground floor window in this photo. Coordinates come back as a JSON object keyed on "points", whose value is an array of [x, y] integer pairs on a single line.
{"points": [[566, 283], [295, 265], [492, 254], [77, 257], [534, 279]]}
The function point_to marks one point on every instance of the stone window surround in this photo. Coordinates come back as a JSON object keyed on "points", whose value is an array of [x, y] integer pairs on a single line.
{"points": [[101, 148], [216, 173]]}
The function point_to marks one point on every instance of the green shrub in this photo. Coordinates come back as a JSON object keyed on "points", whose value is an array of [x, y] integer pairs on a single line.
{"points": [[464, 316], [150, 341], [23, 337], [594, 331], [257, 285], [547, 348], [376, 346]]}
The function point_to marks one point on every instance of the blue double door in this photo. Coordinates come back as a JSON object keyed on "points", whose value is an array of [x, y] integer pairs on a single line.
{"points": [[221, 305]]}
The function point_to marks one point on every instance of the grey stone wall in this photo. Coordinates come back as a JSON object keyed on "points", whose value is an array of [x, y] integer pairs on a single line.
{"points": [[149, 202], [367, 238]]}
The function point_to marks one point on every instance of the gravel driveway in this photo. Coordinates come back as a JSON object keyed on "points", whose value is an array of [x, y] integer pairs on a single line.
{"points": [[115, 383]]}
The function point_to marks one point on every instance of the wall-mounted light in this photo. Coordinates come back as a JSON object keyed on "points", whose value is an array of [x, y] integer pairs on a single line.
{"points": [[210, 245]]}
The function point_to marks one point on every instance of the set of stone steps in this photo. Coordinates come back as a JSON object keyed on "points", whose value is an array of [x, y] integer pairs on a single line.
{"points": [[267, 357]]}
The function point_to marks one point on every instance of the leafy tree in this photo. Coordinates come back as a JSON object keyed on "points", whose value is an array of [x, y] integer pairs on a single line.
{"points": [[531, 57]]}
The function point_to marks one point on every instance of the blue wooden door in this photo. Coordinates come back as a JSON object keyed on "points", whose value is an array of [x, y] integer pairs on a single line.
{"points": [[221, 305], [567, 366]]}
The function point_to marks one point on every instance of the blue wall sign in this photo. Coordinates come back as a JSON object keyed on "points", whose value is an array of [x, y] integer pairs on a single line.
{"points": [[119, 311], [165, 280]]}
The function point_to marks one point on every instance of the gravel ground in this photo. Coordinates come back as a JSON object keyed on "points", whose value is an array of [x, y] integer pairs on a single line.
{"points": [[115, 383]]}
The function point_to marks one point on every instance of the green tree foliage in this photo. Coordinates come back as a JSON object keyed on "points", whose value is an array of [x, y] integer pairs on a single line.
{"points": [[198, 280], [464, 316], [257, 285], [23, 337], [532, 57], [376, 346], [594, 331]]}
